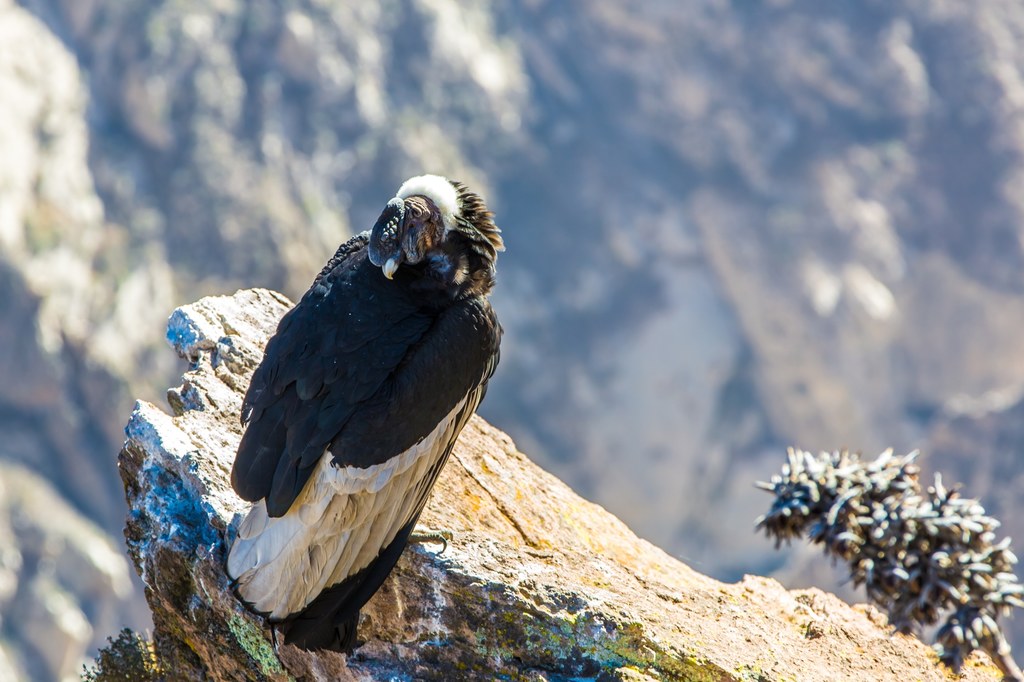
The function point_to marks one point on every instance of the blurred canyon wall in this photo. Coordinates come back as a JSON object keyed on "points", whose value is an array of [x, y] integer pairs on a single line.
{"points": [[731, 226]]}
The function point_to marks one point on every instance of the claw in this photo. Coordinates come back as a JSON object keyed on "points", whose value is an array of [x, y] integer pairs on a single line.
{"points": [[430, 535]]}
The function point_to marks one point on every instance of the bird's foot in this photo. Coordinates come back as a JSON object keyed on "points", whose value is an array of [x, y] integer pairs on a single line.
{"points": [[274, 640], [431, 535]]}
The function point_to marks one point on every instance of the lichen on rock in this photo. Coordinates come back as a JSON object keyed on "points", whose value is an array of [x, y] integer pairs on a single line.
{"points": [[536, 584]]}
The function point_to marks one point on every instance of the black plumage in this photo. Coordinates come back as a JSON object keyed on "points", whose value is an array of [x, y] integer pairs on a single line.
{"points": [[356, 405]]}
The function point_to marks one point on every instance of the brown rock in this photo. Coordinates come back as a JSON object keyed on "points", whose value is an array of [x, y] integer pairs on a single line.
{"points": [[537, 583]]}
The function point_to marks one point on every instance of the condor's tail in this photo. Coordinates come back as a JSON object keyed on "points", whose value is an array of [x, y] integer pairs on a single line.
{"points": [[330, 620], [311, 570]]}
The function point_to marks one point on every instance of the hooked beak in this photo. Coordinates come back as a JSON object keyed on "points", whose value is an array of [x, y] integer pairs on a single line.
{"points": [[386, 238], [390, 266]]}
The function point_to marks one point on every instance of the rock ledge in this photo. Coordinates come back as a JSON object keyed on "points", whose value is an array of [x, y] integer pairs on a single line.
{"points": [[538, 584]]}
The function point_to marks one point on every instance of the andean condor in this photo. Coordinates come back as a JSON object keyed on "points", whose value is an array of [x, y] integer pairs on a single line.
{"points": [[356, 405]]}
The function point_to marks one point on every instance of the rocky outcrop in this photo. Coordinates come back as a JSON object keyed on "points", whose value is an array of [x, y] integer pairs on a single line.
{"points": [[537, 583]]}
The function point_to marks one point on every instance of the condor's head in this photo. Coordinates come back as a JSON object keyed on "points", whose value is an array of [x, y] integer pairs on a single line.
{"points": [[439, 231]]}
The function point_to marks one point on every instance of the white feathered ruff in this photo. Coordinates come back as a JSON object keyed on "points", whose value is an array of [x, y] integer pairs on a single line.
{"points": [[439, 190]]}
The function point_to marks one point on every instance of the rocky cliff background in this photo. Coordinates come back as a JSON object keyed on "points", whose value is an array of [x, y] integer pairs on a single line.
{"points": [[731, 226]]}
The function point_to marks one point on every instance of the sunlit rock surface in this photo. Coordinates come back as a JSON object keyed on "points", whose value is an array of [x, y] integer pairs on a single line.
{"points": [[536, 584]]}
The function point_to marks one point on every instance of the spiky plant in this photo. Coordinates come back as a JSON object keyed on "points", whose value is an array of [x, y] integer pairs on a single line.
{"points": [[129, 658], [921, 556]]}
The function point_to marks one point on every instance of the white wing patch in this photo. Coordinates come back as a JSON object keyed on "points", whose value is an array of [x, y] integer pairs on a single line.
{"points": [[339, 523]]}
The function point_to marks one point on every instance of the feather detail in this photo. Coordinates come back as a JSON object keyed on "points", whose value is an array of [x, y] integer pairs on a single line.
{"points": [[354, 410], [338, 524], [439, 190]]}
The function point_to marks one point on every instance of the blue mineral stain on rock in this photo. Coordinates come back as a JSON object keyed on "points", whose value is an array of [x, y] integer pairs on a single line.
{"points": [[183, 335], [183, 519], [139, 430], [173, 498], [190, 463]]}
